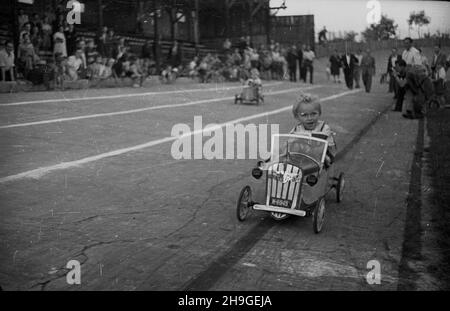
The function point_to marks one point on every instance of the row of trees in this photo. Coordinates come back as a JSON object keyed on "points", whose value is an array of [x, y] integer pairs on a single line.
{"points": [[387, 29]]}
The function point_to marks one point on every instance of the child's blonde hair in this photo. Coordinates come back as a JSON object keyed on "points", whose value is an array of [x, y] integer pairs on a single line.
{"points": [[308, 99]]}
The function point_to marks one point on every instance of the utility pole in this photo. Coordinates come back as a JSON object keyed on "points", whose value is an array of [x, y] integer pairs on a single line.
{"points": [[100, 16], [156, 35], [196, 29]]}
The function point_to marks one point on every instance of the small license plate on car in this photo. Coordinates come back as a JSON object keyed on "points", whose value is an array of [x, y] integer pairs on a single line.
{"points": [[280, 202]]}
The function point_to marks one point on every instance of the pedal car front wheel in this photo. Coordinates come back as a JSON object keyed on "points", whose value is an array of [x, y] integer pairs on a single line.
{"points": [[244, 203], [340, 188], [319, 215], [278, 216]]}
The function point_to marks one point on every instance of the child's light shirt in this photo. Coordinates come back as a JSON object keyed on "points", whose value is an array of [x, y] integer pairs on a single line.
{"points": [[321, 127]]}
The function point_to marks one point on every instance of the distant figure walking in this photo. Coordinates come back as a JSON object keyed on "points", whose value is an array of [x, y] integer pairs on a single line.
{"points": [[335, 67], [308, 59]]}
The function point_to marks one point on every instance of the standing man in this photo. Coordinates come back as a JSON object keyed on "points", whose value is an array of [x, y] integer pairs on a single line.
{"points": [[392, 60], [308, 58], [357, 69], [348, 65], [439, 59], [411, 55], [291, 59], [367, 70], [301, 67], [7, 62]]}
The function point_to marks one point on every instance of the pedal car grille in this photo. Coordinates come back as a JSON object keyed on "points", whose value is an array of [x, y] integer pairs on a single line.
{"points": [[283, 185]]}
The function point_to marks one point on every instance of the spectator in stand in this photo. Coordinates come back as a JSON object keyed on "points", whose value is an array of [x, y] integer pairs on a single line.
{"points": [[26, 55], [227, 46], [59, 42], [74, 66], [193, 68], [292, 63], [265, 62], [95, 69], [277, 63], [7, 62], [175, 56], [36, 38], [71, 39], [135, 72], [120, 49], [254, 58], [108, 70], [36, 21], [308, 58], [91, 53], [203, 68], [81, 49], [147, 50], [101, 40], [25, 29], [119, 65], [357, 69], [60, 69], [22, 19], [110, 43], [242, 45], [335, 66], [60, 21], [49, 14], [248, 42], [236, 57], [46, 34]]}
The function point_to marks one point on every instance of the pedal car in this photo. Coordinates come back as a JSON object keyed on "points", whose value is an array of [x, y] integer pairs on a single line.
{"points": [[251, 94], [297, 179]]}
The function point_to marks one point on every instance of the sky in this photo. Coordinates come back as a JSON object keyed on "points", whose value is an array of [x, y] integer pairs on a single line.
{"points": [[347, 15]]}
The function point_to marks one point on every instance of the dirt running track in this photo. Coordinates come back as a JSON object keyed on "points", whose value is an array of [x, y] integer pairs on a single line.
{"points": [[137, 219]]}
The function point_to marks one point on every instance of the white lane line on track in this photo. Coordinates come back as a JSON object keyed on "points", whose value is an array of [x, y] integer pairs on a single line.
{"points": [[61, 100], [109, 114], [39, 172]]}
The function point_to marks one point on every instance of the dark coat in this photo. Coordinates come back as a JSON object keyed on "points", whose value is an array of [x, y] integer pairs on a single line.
{"points": [[348, 67]]}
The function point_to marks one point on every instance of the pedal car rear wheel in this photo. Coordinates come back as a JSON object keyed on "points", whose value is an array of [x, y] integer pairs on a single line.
{"points": [[244, 203], [319, 215], [340, 188]]}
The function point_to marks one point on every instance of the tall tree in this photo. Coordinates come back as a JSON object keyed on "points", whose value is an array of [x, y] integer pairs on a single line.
{"points": [[418, 19], [350, 36], [384, 30]]}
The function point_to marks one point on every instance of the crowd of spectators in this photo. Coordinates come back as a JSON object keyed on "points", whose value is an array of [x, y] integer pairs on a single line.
{"points": [[239, 61], [51, 49]]}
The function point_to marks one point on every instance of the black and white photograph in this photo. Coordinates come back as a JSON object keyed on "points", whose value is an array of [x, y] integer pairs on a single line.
{"points": [[224, 151]]}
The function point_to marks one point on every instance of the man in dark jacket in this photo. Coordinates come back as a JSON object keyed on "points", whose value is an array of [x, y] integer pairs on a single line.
{"points": [[348, 65], [291, 59], [368, 70], [301, 67], [392, 60]]}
